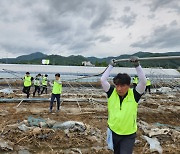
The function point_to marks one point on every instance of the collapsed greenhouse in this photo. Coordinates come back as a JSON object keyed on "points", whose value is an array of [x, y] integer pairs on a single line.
{"points": [[80, 127]]}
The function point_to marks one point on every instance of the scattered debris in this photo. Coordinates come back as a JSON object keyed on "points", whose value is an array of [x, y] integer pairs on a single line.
{"points": [[73, 125], [164, 90], [6, 91], [6, 146], [154, 144], [24, 128]]}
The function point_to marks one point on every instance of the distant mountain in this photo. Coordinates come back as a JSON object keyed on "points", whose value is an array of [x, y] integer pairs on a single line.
{"points": [[23, 58], [36, 58], [154, 63], [36, 55]]}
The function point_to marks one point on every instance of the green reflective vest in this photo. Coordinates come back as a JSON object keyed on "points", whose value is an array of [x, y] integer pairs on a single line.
{"points": [[27, 81], [122, 121], [57, 88], [44, 81], [148, 83], [135, 80]]}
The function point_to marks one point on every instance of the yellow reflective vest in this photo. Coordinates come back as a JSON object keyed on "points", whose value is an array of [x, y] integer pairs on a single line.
{"points": [[37, 81], [148, 83], [135, 80], [57, 87], [44, 81], [27, 81], [122, 121]]}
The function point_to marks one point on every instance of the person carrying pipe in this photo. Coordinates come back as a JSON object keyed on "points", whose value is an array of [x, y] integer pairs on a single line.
{"points": [[37, 83], [56, 92], [44, 83], [27, 84], [122, 107], [148, 85]]}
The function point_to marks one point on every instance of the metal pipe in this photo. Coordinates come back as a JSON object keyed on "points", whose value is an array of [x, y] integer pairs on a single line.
{"points": [[151, 58]]}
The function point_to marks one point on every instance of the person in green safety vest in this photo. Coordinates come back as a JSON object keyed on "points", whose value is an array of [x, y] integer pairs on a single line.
{"points": [[27, 84], [44, 83], [56, 92], [135, 81], [122, 107], [37, 83], [148, 85]]}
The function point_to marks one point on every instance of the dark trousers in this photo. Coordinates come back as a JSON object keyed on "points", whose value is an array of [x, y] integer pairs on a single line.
{"points": [[148, 88], [53, 96], [44, 89], [26, 90], [37, 88], [123, 144]]}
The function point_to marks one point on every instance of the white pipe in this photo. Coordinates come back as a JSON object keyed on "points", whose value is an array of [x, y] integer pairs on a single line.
{"points": [[151, 58]]}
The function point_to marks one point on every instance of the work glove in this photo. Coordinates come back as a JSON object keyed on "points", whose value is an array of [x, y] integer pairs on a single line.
{"points": [[135, 61], [113, 62]]}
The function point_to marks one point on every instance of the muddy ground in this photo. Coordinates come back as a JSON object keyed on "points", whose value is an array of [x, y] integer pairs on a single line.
{"points": [[153, 108]]}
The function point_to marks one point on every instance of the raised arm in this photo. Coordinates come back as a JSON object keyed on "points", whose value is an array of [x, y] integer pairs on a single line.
{"points": [[104, 82], [141, 86], [104, 79]]}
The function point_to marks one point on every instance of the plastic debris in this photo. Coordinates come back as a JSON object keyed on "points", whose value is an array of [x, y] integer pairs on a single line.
{"points": [[154, 144], [35, 121], [43, 124], [166, 125], [75, 125], [50, 123], [6, 91], [23, 152], [164, 90], [158, 131], [4, 145], [24, 128], [152, 130]]}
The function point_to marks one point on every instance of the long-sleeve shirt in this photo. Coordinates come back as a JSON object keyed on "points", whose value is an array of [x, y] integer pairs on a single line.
{"points": [[138, 91]]}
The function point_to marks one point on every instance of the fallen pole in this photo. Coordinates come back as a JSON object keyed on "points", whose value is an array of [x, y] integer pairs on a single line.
{"points": [[151, 58], [42, 100]]}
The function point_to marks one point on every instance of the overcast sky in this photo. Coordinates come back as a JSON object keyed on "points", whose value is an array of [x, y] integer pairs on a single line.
{"points": [[88, 27]]}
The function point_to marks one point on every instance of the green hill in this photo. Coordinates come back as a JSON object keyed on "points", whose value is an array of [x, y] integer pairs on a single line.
{"points": [[36, 58]]}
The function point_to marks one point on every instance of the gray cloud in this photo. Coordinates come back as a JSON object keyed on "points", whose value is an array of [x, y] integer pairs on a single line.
{"points": [[128, 20], [127, 9], [173, 5], [162, 37], [85, 26], [74, 24]]}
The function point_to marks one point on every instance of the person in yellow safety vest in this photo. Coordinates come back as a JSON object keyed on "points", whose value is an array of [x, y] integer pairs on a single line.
{"points": [[148, 85], [135, 81], [56, 92], [37, 83], [44, 83], [27, 84], [122, 107]]}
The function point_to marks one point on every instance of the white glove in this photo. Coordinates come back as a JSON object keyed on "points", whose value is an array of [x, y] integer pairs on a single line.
{"points": [[113, 62], [135, 61]]}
